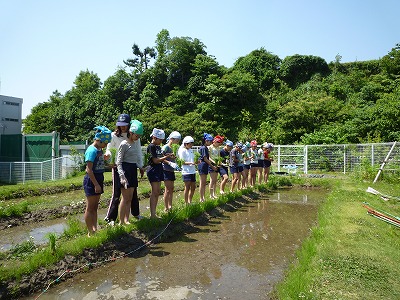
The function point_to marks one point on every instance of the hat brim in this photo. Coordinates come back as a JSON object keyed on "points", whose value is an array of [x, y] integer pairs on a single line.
{"points": [[122, 124]]}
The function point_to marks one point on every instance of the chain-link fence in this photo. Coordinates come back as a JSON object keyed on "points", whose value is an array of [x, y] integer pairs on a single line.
{"points": [[17, 172], [335, 158], [289, 158]]}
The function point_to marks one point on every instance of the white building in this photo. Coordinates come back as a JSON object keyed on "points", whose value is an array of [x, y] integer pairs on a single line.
{"points": [[10, 115]]}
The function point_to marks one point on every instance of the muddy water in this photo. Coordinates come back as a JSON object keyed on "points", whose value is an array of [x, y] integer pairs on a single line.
{"points": [[240, 255]]}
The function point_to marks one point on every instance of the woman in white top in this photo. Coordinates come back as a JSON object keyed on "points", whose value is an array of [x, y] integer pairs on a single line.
{"points": [[186, 154]]}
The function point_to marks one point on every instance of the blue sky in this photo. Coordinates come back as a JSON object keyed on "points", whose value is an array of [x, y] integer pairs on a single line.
{"points": [[44, 44]]}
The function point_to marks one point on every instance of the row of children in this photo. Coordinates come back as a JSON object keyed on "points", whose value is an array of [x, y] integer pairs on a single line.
{"points": [[215, 156]]}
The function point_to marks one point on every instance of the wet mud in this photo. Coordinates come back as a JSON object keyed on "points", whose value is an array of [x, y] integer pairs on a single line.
{"points": [[235, 249]]}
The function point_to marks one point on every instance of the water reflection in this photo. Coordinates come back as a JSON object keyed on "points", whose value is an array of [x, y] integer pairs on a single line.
{"points": [[241, 255]]}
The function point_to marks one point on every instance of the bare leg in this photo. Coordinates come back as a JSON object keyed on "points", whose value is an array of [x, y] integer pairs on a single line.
{"points": [[223, 183], [213, 184], [125, 205], [186, 192], [191, 191], [92, 204], [168, 193], [155, 192], [202, 187], [235, 179]]}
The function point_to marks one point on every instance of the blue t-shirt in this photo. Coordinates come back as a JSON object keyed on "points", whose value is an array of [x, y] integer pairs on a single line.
{"points": [[225, 155], [155, 152], [95, 156], [204, 152]]}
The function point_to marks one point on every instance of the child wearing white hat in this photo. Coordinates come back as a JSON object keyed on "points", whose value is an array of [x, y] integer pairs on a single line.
{"points": [[188, 168], [155, 172]]}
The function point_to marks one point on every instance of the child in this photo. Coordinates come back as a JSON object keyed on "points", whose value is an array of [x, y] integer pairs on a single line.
{"points": [[169, 171], [246, 166], [253, 162], [236, 166], [188, 168], [214, 150], [205, 164], [129, 158], [267, 160], [223, 169], [94, 177], [155, 172], [260, 155]]}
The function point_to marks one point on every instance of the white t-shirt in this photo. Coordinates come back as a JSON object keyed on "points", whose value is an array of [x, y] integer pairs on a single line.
{"points": [[187, 156]]}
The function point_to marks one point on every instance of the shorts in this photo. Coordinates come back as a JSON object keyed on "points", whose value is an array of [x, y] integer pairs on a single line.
{"points": [[267, 163], [234, 169], [261, 163], [189, 177], [88, 185], [169, 175], [240, 169], [130, 172], [155, 173], [203, 168], [247, 167], [253, 165], [210, 170], [223, 171]]}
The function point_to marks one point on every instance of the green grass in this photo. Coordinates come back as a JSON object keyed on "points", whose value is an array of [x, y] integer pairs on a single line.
{"points": [[350, 255]]}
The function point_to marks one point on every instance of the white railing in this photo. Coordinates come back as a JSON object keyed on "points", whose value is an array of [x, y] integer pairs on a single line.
{"points": [[290, 158]]}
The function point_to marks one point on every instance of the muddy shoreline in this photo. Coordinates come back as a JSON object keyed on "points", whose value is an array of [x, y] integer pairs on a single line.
{"points": [[125, 245]]}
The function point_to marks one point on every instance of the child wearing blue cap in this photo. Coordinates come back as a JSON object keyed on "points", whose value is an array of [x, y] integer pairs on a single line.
{"points": [[204, 163], [94, 177]]}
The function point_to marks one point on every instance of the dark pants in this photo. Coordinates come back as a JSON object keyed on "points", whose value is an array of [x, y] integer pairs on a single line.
{"points": [[112, 212]]}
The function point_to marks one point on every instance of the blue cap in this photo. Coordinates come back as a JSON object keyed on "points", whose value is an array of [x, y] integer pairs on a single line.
{"points": [[103, 134], [208, 137], [229, 143]]}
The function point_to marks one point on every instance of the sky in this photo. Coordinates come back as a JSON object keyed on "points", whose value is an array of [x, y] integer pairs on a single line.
{"points": [[44, 44]]}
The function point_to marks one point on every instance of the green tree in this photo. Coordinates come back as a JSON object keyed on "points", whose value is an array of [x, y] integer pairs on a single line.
{"points": [[263, 65], [391, 61], [298, 69], [140, 63]]}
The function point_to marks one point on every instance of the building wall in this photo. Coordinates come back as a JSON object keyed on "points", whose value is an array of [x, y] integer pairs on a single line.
{"points": [[10, 115]]}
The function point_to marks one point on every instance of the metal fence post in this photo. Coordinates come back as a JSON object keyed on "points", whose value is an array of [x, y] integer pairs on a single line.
{"points": [[305, 159], [372, 155], [344, 159], [279, 158]]}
